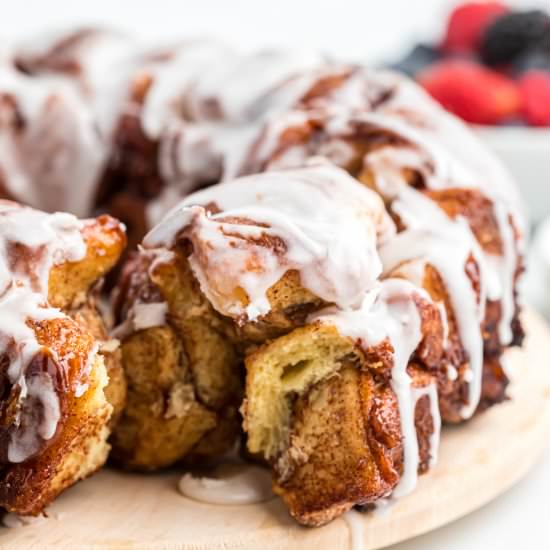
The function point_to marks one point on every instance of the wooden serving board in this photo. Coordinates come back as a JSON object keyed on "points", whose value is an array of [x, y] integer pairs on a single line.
{"points": [[478, 461]]}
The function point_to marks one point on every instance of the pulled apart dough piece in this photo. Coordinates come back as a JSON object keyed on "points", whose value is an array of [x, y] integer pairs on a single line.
{"points": [[323, 412]]}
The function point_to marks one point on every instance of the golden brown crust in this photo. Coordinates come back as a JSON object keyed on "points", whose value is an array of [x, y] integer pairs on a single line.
{"points": [[69, 354], [88, 316], [163, 420], [477, 209], [346, 445], [184, 377], [69, 282], [323, 412], [27, 487]]}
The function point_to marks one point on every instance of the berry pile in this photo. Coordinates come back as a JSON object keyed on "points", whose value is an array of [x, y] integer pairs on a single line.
{"points": [[492, 66]]}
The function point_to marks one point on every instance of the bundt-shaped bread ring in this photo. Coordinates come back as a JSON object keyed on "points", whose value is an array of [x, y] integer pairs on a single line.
{"points": [[355, 290], [54, 410]]}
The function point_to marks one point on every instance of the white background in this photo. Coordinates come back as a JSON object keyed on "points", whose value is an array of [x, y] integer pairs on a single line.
{"points": [[358, 29], [365, 29]]}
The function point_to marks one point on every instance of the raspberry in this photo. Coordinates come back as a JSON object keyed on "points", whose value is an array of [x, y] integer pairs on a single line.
{"points": [[513, 34], [467, 24], [534, 88], [473, 92]]}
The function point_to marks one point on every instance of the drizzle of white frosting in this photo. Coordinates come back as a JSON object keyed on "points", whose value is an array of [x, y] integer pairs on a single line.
{"points": [[54, 160], [452, 373], [206, 106], [232, 484], [431, 391], [141, 316], [328, 225], [430, 139], [505, 266], [356, 524], [446, 244], [48, 240], [99, 62]]}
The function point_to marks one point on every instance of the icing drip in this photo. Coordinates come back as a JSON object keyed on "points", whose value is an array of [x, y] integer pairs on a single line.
{"points": [[389, 312], [210, 109], [387, 165], [31, 243], [355, 521], [316, 221], [428, 142], [431, 391], [447, 245], [505, 266], [232, 484]]}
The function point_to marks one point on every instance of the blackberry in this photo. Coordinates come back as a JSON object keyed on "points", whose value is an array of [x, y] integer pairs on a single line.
{"points": [[421, 56], [532, 60], [513, 34]]}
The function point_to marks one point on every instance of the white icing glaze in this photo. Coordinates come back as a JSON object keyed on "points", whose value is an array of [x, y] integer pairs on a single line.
{"points": [[430, 138], [100, 62], [452, 373], [141, 316], [446, 244], [431, 391], [383, 507], [13, 521], [505, 266], [206, 107], [149, 315], [48, 240], [356, 524], [208, 103], [54, 160], [232, 484], [234, 87], [327, 223]]}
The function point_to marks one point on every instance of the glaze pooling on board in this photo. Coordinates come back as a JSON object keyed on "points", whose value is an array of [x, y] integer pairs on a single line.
{"points": [[316, 221], [356, 526], [31, 243], [229, 484]]}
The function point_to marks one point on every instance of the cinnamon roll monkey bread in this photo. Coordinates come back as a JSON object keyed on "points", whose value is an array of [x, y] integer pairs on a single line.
{"points": [[321, 270]]}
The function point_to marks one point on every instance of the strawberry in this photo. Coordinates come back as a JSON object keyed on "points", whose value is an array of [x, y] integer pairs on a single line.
{"points": [[534, 89], [467, 24], [471, 91]]}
